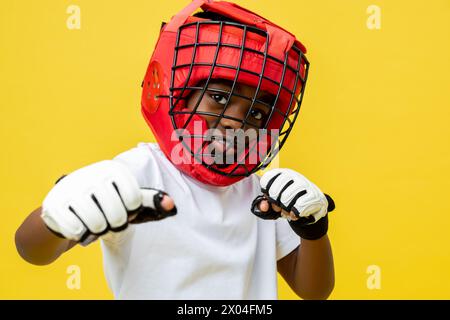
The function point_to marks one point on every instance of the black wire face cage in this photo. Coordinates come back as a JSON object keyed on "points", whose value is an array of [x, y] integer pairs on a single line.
{"points": [[286, 111]]}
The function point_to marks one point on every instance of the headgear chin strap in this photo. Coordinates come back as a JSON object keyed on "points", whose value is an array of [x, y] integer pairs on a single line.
{"points": [[191, 52]]}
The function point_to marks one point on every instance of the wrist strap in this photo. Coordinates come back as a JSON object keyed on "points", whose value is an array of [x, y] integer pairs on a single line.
{"points": [[312, 231]]}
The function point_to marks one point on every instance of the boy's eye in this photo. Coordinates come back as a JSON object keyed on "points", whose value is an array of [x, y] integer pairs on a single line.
{"points": [[257, 114], [220, 99]]}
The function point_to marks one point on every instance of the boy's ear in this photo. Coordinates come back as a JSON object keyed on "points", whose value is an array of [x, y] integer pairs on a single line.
{"points": [[162, 25]]}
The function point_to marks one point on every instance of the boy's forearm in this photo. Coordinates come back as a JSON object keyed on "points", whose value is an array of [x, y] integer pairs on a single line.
{"points": [[36, 244], [314, 269]]}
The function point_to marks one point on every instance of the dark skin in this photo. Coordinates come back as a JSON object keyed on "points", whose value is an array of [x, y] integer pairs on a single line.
{"points": [[308, 270]]}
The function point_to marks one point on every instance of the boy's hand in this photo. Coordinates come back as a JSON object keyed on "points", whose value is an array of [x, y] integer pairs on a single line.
{"points": [[101, 197], [289, 194]]}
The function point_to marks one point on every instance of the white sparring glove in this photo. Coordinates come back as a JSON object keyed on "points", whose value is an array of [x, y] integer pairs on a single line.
{"points": [[294, 193], [101, 197]]}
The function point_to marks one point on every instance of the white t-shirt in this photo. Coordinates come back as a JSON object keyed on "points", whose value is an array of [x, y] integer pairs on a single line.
{"points": [[213, 248]]}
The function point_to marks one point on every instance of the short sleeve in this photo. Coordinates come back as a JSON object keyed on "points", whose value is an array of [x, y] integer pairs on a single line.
{"points": [[286, 239], [142, 163]]}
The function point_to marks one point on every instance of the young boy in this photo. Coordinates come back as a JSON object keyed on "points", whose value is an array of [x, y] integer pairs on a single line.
{"points": [[221, 94]]}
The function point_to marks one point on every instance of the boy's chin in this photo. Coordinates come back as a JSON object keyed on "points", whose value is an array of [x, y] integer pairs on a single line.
{"points": [[234, 169], [226, 158]]}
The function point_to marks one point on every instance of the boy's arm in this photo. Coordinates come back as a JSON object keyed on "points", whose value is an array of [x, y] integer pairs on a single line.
{"points": [[309, 269], [38, 245], [88, 203]]}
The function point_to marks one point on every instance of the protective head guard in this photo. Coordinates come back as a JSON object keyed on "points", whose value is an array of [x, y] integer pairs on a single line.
{"points": [[244, 48]]}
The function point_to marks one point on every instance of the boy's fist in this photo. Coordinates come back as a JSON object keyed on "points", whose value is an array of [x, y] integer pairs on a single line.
{"points": [[288, 193], [101, 197]]}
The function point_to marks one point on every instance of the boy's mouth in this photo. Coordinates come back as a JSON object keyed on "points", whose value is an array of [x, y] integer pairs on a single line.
{"points": [[223, 153], [221, 146]]}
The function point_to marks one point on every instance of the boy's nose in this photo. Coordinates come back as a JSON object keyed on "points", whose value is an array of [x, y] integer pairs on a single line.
{"points": [[237, 113]]}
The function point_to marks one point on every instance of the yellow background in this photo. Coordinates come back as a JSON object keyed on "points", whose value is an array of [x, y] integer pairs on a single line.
{"points": [[373, 131]]}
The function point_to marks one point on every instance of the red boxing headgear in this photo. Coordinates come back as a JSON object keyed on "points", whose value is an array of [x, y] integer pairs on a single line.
{"points": [[243, 48]]}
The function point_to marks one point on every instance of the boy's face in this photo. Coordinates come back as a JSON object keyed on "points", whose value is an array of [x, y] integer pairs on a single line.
{"points": [[213, 103]]}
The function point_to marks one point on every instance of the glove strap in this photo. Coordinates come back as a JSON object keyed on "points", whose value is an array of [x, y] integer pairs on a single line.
{"points": [[268, 215], [312, 231]]}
